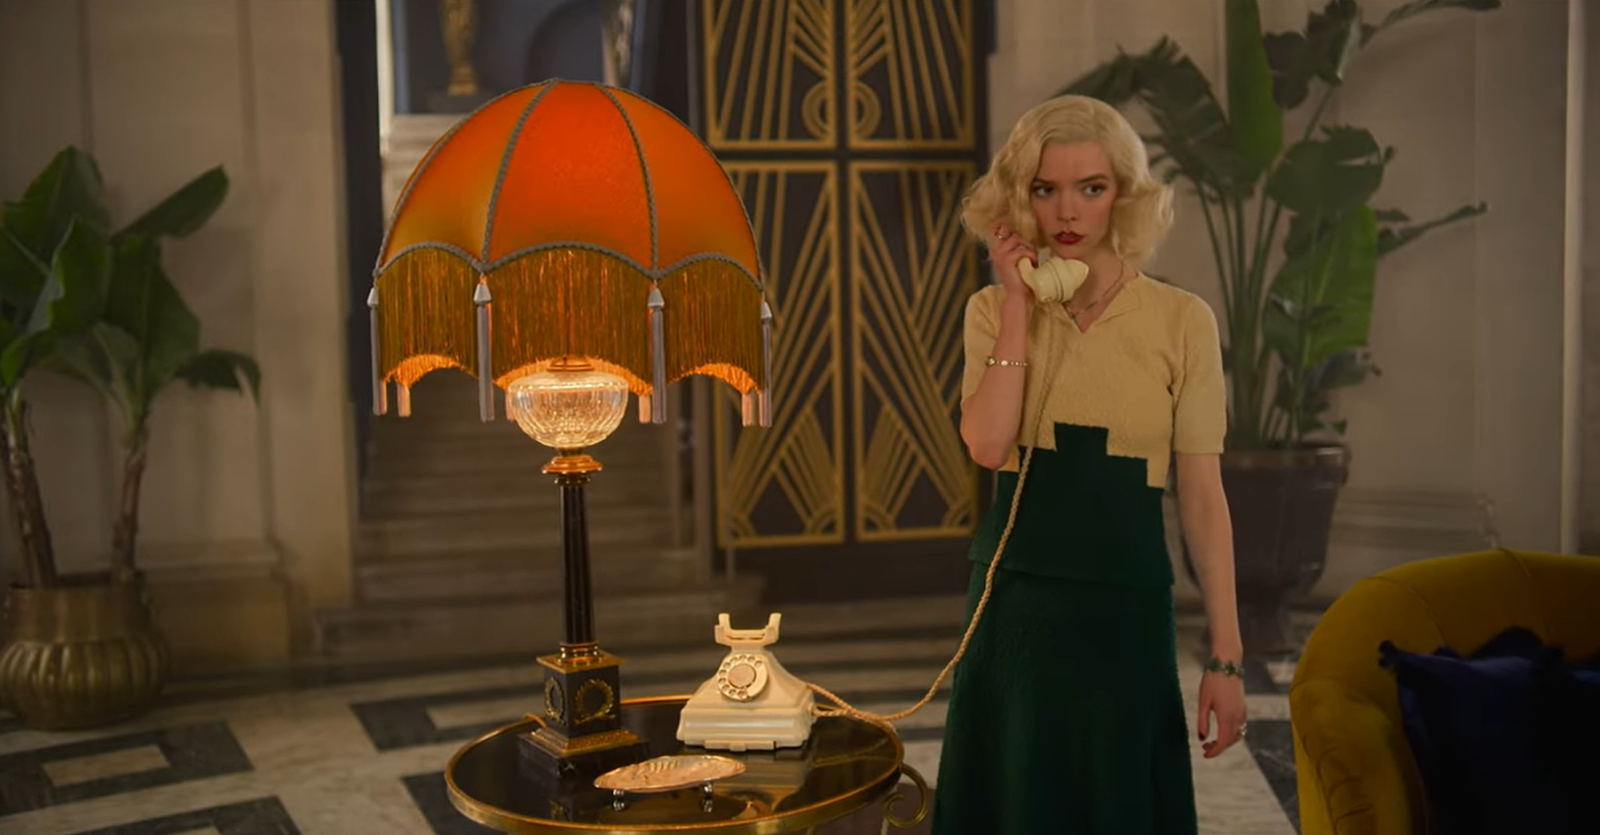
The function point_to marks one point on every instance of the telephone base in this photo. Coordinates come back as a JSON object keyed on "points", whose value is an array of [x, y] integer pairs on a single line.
{"points": [[712, 722], [582, 757]]}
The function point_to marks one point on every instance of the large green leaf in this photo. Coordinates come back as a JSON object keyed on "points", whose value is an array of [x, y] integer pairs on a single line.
{"points": [[1417, 7], [1255, 121], [22, 276], [186, 210], [1113, 82], [69, 187], [1329, 176], [1193, 130], [1304, 399], [1192, 134], [144, 303], [1391, 238], [227, 370], [172, 338], [74, 296], [70, 300], [103, 358], [21, 353], [1321, 299], [1323, 51]]}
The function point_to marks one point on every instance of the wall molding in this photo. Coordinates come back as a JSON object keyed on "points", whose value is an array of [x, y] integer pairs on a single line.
{"points": [[1375, 529], [223, 606]]}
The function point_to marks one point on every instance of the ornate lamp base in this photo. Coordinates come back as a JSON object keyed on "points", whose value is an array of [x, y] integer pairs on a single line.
{"points": [[582, 735]]}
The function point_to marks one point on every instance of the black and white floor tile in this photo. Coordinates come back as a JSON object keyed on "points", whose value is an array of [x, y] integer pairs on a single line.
{"points": [[367, 756]]}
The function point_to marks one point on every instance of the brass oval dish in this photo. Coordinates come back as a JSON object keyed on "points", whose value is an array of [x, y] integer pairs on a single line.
{"points": [[665, 774]]}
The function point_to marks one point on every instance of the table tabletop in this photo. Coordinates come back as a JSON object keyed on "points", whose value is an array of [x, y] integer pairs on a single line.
{"points": [[846, 765]]}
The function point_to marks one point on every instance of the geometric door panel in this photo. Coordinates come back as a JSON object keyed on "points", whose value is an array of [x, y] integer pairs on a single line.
{"points": [[911, 75], [911, 273], [784, 485], [855, 210]]}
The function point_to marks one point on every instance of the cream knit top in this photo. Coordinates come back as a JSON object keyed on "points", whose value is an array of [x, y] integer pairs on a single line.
{"points": [[1149, 371]]}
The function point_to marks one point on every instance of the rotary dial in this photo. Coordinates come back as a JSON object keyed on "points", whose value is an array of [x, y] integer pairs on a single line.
{"points": [[742, 676]]}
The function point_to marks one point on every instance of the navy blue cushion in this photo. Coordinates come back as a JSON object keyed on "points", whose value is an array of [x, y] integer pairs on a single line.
{"points": [[1571, 723], [1475, 728]]}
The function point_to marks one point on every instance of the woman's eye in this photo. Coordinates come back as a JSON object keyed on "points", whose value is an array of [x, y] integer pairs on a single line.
{"points": [[1041, 191], [1094, 190]]}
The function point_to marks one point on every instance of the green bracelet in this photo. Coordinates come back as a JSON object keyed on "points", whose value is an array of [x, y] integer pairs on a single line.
{"points": [[1227, 668]]}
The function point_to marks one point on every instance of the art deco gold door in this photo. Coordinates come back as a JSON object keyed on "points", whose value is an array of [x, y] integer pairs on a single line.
{"points": [[852, 129]]}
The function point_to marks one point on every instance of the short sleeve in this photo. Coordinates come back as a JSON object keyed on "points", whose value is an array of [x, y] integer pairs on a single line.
{"points": [[980, 332], [1200, 404]]}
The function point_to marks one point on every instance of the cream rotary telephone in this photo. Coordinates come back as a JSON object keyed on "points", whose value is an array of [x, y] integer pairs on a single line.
{"points": [[752, 702]]}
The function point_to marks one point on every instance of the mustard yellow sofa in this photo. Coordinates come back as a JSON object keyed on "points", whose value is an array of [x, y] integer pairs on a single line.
{"points": [[1354, 768]]}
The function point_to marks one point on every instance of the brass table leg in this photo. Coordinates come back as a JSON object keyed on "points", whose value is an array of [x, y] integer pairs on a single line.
{"points": [[890, 818]]}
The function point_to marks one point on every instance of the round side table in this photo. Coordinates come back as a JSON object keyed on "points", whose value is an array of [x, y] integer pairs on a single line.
{"points": [[845, 766]]}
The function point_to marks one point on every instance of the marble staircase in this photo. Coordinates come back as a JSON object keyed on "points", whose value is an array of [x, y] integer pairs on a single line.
{"points": [[459, 548]]}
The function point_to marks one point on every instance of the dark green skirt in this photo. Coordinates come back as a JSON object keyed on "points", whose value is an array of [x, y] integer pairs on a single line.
{"points": [[1065, 714]]}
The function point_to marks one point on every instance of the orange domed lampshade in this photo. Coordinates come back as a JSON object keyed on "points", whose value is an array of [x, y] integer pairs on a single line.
{"points": [[570, 222]]}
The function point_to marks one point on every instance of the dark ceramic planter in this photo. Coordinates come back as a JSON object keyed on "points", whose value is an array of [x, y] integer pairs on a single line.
{"points": [[1282, 504]]}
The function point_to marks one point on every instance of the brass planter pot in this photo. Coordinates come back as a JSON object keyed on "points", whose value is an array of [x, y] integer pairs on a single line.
{"points": [[80, 654]]}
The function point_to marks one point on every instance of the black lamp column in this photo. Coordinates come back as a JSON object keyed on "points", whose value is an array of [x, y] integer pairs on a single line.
{"points": [[579, 604], [582, 734]]}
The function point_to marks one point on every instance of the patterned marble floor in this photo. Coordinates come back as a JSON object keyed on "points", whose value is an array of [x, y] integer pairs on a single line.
{"points": [[366, 755]]}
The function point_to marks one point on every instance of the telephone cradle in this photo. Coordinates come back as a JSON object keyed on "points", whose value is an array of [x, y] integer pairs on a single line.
{"points": [[752, 703]]}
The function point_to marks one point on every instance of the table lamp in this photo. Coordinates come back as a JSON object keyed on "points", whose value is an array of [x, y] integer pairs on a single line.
{"points": [[571, 243]]}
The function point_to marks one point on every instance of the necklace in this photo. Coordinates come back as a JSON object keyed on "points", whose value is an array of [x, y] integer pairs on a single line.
{"points": [[1098, 299]]}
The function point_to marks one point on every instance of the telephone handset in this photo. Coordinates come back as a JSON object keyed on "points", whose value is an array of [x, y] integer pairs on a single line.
{"points": [[1054, 280], [752, 702]]}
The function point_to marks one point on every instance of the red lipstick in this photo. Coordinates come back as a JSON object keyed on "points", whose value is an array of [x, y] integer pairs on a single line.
{"points": [[1068, 238]]}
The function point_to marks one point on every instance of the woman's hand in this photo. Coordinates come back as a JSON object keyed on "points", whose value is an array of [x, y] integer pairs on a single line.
{"points": [[1006, 248], [1222, 696]]}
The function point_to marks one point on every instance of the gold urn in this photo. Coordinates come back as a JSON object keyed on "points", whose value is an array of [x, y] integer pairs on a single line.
{"points": [[80, 654]]}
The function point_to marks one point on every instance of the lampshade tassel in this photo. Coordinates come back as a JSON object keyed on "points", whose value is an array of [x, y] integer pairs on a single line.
{"points": [[658, 357], [380, 390], [765, 406], [481, 299]]}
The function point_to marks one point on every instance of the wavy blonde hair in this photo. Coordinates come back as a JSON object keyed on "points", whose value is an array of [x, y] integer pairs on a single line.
{"points": [[1142, 213]]}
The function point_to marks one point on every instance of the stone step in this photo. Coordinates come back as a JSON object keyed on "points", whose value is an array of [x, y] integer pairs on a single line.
{"points": [[392, 496], [478, 531], [487, 573], [421, 631]]}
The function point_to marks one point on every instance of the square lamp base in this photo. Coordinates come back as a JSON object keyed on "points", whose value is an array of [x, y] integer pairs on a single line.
{"points": [[582, 735]]}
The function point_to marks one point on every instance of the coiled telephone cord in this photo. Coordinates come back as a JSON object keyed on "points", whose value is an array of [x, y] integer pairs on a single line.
{"points": [[840, 706]]}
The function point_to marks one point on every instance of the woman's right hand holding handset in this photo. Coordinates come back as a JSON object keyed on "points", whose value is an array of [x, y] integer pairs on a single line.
{"points": [[990, 417], [1006, 248]]}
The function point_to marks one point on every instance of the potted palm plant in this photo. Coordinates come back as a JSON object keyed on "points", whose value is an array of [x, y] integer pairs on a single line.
{"points": [[82, 299], [1295, 322]]}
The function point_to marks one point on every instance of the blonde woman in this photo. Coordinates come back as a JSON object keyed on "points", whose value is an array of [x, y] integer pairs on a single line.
{"points": [[1065, 714]]}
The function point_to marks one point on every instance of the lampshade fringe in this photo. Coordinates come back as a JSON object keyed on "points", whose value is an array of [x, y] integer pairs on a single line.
{"points": [[575, 301]]}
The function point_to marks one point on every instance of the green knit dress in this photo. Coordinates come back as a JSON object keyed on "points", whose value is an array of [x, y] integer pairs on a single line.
{"points": [[1065, 714]]}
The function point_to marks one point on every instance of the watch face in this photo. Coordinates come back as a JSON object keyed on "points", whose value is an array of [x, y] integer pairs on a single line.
{"points": [[742, 676]]}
